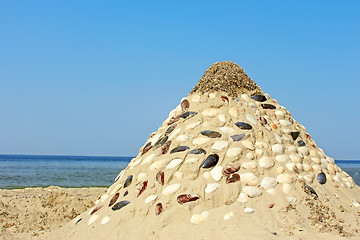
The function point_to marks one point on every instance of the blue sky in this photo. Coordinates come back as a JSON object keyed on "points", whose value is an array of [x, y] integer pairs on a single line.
{"points": [[97, 77]]}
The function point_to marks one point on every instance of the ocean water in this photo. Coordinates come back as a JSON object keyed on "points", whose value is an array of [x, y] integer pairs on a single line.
{"points": [[20, 171]]}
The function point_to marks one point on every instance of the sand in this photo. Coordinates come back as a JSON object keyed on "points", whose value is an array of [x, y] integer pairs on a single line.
{"points": [[27, 213]]}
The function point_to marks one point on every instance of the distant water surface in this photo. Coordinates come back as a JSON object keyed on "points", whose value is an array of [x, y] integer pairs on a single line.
{"points": [[20, 171]]}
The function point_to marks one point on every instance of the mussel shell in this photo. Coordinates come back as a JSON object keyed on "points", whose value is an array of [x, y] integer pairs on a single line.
{"points": [[160, 142], [233, 178], [128, 181], [188, 115], [160, 177], [158, 209], [170, 129], [259, 98], [120, 205], [243, 125], [268, 106], [239, 137], [146, 148], [311, 190], [185, 104], [225, 99], [114, 199], [126, 193], [95, 210], [210, 161], [141, 188], [301, 143], [229, 169], [295, 135], [321, 177], [211, 134], [165, 147], [197, 151], [185, 198], [179, 149]]}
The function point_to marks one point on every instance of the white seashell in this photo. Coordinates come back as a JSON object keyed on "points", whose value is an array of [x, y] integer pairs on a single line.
{"points": [[278, 138], [279, 114], [211, 112], [234, 112], [303, 150], [286, 130], [156, 165], [135, 163], [286, 178], [282, 158], [183, 138], [266, 162], [287, 188], [229, 215], [250, 155], [191, 160], [259, 152], [249, 210], [200, 141], [216, 173], [233, 152], [93, 218], [150, 198], [291, 149], [251, 119], [245, 97], [291, 199], [193, 125], [171, 189], [179, 175], [105, 220], [211, 187], [285, 123], [309, 178], [261, 145], [291, 166], [313, 153], [115, 189], [104, 197], [198, 218], [174, 163], [222, 118], [148, 159], [155, 138], [277, 148], [227, 130], [299, 167], [220, 145], [248, 144], [174, 133], [271, 191], [195, 98], [294, 157], [121, 174], [355, 202], [268, 182], [249, 165], [243, 198], [141, 176], [207, 175], [249, 178]]}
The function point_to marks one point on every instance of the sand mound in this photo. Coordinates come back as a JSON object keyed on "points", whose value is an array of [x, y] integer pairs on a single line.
{"points": [[226, 164]]}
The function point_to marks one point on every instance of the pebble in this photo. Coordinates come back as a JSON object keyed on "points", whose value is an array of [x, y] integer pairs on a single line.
{"points": [[174, 163], [248, 144], [266, 162], [171, 189], [211, 187], [273, 126], [200, 141], [233, 152], [277, 148], [216, 173], [268, 182], [220, 145], [183, 138], [229, 215], [150, 198]]}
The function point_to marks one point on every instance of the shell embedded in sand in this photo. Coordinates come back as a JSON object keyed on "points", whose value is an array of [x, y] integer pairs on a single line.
{"points": [[252, 191], [251, 119], [220, 145], [229, 215], [233, 152], [174, 163], [211, 187], [199, 218], [282, 158], [150, 198], [286, 178], [268, 182], [249, 165], [171, 189], [191, 126], [249, 178], [211, 112], [105, 220], [222, 118], [200, 141], [243, 198], [248, 144], [277, 148], [234, 112], [227, 130], [249, 210], [93, 218], [266, 162], [216, 173]]}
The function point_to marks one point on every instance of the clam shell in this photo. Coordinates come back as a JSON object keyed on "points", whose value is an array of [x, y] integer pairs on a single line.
{"points": [[211, 112], [282, 158], [211, 134], [321, 177], [268, 182], [210, 161], [185, 104], [220, 145], [301, 143], [170, 129], [200, 141], [179, 149], [277, 148], [105, 220], [120, 205], [263, 120], [198, 218], [128, 181], [174, 163], [243, 198], [216, 173], [227, 130], [285, 123], [251, 119], [222, 118], [146, 148], [248, 144], [249, 178], [114, 199], [234, 112], [266, 162], [141, 188], [197, 151], [259, 98], [286, 178], [185, 198], [150, 198], [252, 191], [158, 209], [311, 190], [233, 178], [192, 125], [233, 152], [160, 177], [231, 168], [243, 125]]}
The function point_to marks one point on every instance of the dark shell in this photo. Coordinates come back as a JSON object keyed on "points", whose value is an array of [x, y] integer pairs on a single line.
{"points": [[268, 106], [188, 115], [231, 168], [166, 147], [308, 136], [210, 161], [225, 99], [321, 177], [179, 149], [295, 135], [174, 119], [239, 137], [146, 148], [259, 98], [95, 210], [184, 198], [211, 134], [197, 151], [126, 193], [141, 188], [128, 181], [243, 126], [233, 178], [263, 120], [311, 190], [158, 209], [185, 104], [160, 177], [78, 221], [114, 199], [160, 142], [120, 205], [170, 129], [301, 143], [271, 205]]}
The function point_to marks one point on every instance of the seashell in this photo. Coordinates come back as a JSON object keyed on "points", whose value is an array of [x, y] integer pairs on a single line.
{"points": [[206, 175], [291, 167], [210, 161], [170, 129], [355, 202], [280, 169], [120, 205], [195, 98], [126, 193], [211, 187], [174, 133], [295, 157], [229, 215], [165, 147], [279, 114], [227, 130], [277, 148], [282, 158], [301, 143], [222, 118], [321, 177], [156, 165], [249, 178], [286, 178], [268, 106], [95, 210], [146, 148], [160, 142], [234, 112], [188, 115], [243, 198], [251, 119], [284, 123], [263, 121], [149, 158], [278, 138], [160, 177], [268, 182], [273, 126], [174, 119], [252, 191], [93, 219], [198, 218], [200, 141], [141, 188], [287, 188], [259, 152], [150, 198], [105, 220], [171, 189], [185, 104], [141, 176], [266, 162], [216, 173], [104, 197], [250, 155], [248, 144], [225, 99], [179, 149], [311, 190], [158, 209], [197, 151], [291, 199], [192, 125], [231, 168], [128, 181], [185, 198], [174, 163], [249, 165], [233, 152], [271, 191], [114, 199], [243, 125], [253, 105], [183, 138], [295, 135], [331, 168], [239, 137], [191, 160], [220, 145], [211, 134], [303, 150], [233, 178], [211, 112], [259, 98]]}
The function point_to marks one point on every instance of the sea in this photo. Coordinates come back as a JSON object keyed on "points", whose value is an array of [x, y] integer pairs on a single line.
{"points": [[21, 171]]}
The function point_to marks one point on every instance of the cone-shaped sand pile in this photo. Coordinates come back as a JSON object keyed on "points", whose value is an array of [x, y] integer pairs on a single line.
{"points": [[228, 163]]}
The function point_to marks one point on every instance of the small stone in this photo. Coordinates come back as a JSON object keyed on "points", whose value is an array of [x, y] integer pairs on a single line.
{"points": [[284, 123], [200, 141], [191, 126], [251, 119], [222, 118], [198, 218], [286, 178], [249, 165], [252, 191], [211, 112], [303, 150], [282, 158], [234, 112], [105, 220], [273, 126], [229, 215], [150, 198]]}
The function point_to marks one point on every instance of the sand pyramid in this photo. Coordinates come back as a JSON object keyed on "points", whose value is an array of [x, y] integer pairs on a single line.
{"points": [[228, 163]]}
